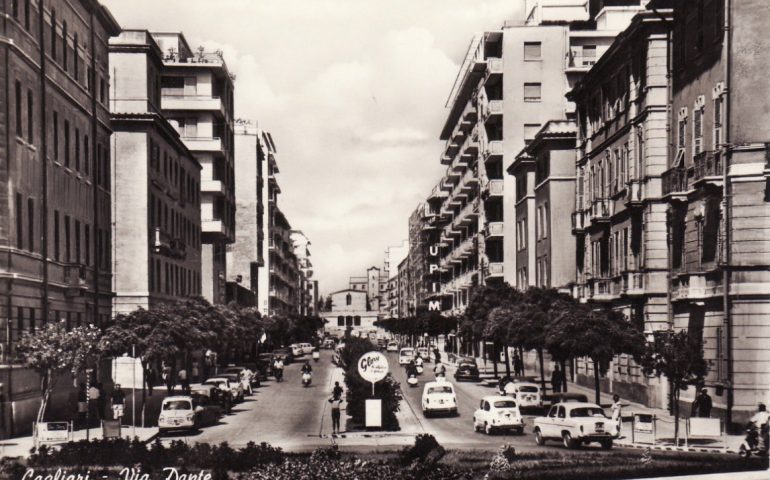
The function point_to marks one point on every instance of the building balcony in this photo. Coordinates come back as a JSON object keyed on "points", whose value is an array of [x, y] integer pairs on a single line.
{"points": [[494, 188], [214, 227], [75, 280], [633, 283], [707, 168], [204, 144], [697, 286], [494, 150], [635, 194], [213, 186], [469, 117], [164, 244], [495, 230], [200, 103], [467, 215], [675, 181], [601, 289], [494, 69], [437, 193], [492, 112], [601, 210], [495, 270], [579, 63], [578, 222]]}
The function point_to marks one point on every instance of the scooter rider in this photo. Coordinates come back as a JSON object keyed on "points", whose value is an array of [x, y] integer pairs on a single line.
{"points": [[418, 361], [439, 370], [278, 368], [411, 369], [306, 368], [761, 420]]}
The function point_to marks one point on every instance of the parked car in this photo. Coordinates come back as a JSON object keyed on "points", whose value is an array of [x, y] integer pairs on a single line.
{"points": [[236, 385], [467, 370], [424, 352], [223, 399], [439, 397], [185, 412], [392, 347], [574, 423], [264, 365], [306, 348], [497, 412], [527, 394], [328, 344], [284, 354], [565, 397], [296, 350], [223, 383], [405, 355]]}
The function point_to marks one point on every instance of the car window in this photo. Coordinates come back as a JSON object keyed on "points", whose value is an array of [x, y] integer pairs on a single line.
{"points": [[177, 405], [505, 404], [586, 412], [442, 389], [553, 411], [528, 389], [561, 412], [486, 406]]}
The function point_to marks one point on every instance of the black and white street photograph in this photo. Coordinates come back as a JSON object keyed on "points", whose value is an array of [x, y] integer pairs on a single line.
{"points": [[384, 240]]}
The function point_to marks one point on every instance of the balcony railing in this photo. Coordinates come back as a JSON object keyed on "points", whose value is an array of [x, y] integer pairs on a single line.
{"points": [[579, 61], [601, 288], [203, 144], [494, 149], [633, 283], [495, 229], [492, 110], [707, 164], [674, 180], [601, 209], [635, 194], [494, 67], [495, 269], [578, 222]]}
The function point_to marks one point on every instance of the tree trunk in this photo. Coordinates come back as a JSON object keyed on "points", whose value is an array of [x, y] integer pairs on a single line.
{"points": [[495, 356], [676, 414], [46, 389], [596, 382], [507, 362], [564, 375], [542, 368]]}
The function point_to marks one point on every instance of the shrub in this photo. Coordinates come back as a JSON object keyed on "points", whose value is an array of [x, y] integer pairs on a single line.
{"points": [[425, 448], [388, 390]]}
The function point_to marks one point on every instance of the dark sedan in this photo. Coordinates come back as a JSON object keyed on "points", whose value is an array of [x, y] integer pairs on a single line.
{"points": [[467, 371]]}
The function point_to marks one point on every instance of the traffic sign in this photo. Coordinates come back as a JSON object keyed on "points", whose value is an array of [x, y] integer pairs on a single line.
{"points": [[373, 366]]}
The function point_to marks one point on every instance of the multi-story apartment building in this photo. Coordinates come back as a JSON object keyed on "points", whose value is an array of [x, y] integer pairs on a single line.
{"points": [[545, 183], [308, 288], [54, 141], [155, 185], [197, 98], [620, 217], [246, 255], [420, 238], [716, 187], [267, 192], [406, 305], [393, 257], [511, 83], [283, 266]]}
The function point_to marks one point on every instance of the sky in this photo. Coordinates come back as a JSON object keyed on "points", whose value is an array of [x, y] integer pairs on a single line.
{"points": [[354, 94]]}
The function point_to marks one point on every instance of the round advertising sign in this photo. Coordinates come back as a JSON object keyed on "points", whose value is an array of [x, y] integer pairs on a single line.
{"points": [[373, 366]]}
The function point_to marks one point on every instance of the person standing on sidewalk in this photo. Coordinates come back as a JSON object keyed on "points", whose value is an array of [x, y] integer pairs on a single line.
{"points": [[557, 379], [336, 402], [701, 407], [118, 399], [337, 390], [518, 366], [184, 382], [617, 414]]}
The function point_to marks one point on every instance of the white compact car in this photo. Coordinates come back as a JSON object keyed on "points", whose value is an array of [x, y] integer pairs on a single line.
{"points": [[574, 423], [306, 348], [496, 412], [296, 350], [424, 353], [392, 347], [439, 397], [405, 356], [177, 413], [526, 394]]}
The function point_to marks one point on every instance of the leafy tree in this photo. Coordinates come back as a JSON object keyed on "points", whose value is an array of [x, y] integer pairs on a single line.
{"points": [[483, 300], [679, 357], [53, 350]]}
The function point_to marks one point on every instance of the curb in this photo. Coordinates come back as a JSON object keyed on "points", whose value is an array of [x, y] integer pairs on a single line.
{"points": [[674, 449]]}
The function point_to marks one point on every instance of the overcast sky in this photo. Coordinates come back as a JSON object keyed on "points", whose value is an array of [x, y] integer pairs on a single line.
{"points": [[353, 92]]}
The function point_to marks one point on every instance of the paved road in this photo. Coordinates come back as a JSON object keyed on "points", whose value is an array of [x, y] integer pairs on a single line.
{"points": [[284, 414]]}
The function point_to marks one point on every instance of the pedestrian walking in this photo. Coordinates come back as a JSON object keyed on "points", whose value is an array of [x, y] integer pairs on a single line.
{"points": [[617, 415], [168, 378], [118, 400], [518, 366], [337, 390], [93, 404], [151, 378], [557, 379], [184, 382], [336, 402]]}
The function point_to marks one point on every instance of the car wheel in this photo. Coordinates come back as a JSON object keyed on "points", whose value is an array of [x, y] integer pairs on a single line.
{"points": [[606, 444], [487, 428], [567, 440], [743, 452], [539, 439]]}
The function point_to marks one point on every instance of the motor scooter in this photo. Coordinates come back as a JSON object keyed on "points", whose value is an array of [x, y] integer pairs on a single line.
{"points": [[412, 380], [419, 369], [316, 355], [753, 444], [278, 374], [306, 379]]}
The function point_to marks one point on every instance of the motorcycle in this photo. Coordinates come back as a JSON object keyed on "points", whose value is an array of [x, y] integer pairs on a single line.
{"points": [[412, 380], [306, 378], [278, 374], [316, 355], [752, 444], [419, 369]]}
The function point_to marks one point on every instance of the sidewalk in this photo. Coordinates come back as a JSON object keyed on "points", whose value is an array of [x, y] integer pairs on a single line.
{"points": [[21, 446]]}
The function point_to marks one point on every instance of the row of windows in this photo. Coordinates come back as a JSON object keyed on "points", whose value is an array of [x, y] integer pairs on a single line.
{"points": [[543, 271], [174, 173], [698, 115], [170, 220], [349, 321], [611, 173], [172, 279]]}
